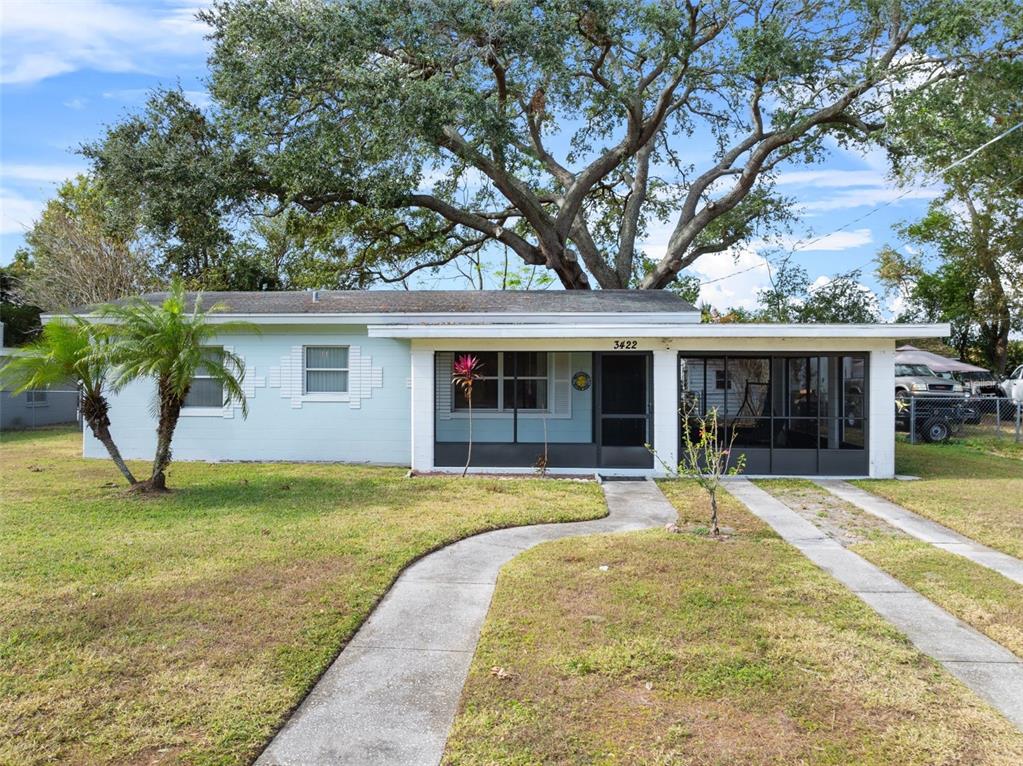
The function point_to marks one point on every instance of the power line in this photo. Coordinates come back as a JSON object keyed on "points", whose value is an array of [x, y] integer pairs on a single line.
{"points": [[804, 244]]}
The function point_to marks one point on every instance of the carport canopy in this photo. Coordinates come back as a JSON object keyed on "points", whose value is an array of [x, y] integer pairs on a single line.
{"points": [[912, 355]]}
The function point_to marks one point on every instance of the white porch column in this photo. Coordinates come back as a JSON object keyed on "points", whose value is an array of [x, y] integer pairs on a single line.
{"points": [[665, 408], [422, 414], [882, 412]]}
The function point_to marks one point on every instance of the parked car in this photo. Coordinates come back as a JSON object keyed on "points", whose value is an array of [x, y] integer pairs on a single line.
{"points": [[979, 383], [920, 380], [1012, 387]]}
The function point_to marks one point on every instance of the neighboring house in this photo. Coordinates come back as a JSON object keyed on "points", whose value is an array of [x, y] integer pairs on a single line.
{"points": [[34, 408], [590, 378]]}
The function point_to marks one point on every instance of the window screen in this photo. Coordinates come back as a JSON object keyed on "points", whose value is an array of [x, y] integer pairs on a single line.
{"points": [[326, 369]]}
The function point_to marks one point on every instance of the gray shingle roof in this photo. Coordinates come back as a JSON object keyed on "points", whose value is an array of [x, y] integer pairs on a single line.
{"points": [[441, 301]]}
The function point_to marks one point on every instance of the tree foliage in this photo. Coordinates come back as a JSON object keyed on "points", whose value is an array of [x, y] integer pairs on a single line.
{"points": [[964, 263], [792, 297], [75, 255], [566, 130]]}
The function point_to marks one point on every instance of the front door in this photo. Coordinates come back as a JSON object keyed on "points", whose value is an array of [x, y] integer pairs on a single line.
{"points": [[624, 404]]}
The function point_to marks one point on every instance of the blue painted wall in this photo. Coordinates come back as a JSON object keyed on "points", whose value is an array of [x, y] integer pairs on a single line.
{"points": [[282, 425]]}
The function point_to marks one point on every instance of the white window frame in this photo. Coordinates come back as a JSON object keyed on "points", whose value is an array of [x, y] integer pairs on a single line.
{"points": [[325, 396], [204, 412], [32, 401], [501, 410]]}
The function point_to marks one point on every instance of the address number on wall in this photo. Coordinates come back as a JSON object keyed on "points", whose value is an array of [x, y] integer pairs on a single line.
{"points": [[625, 345]]}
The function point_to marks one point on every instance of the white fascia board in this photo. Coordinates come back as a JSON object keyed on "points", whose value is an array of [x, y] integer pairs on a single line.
{"points": [[450, 319], [892, 331]]}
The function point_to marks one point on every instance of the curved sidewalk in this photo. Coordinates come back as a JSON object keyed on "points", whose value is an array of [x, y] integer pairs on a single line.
{"points": [[390, 697]]}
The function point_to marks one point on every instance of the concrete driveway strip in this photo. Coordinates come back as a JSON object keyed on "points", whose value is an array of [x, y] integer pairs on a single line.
{"points": [[391, 696], [926, 530], [991, 670]]}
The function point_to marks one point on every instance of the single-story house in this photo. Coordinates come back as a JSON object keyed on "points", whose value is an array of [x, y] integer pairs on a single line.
{"points": [[586, 379]]}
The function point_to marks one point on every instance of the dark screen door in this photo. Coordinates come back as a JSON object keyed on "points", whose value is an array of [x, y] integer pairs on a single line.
{"points": [[625, 410]]}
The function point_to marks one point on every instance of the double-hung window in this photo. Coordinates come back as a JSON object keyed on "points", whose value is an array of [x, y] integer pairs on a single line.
{"points": [[326, 369], [36, 397], [509, 380], [206, 392]]}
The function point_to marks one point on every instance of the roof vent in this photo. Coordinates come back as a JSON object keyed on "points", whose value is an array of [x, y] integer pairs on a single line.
{"points": [[316, 296]]}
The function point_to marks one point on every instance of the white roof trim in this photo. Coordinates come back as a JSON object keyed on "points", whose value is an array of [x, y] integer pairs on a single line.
{"points": [[689, 330]]}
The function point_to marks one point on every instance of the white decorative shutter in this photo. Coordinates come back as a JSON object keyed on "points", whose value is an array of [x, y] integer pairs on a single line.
{"points": [[443, 361], [562, 402]]}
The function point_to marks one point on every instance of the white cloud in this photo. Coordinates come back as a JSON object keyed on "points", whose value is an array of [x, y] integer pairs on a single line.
{"points": [[868, 197], [27, 173], [732, 280], [76, 103], [43, 38], [17, 212], [831, 178], [832, 243]]}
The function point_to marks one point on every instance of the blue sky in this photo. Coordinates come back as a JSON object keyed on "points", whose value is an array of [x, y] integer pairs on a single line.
{"points": [[70, 67]]}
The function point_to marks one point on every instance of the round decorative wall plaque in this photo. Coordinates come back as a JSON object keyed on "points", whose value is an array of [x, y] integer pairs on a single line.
{"points": [[581, 381]]}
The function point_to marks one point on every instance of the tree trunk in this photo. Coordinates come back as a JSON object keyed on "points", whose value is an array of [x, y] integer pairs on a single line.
{"points": [[170, 411], [714, 515], [95, 412]]}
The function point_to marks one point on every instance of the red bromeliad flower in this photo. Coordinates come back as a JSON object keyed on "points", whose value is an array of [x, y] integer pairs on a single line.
{"points": [[466, 371]]}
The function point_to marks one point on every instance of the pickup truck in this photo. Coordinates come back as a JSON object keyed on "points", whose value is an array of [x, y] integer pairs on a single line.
{"points": [[1012, 386]]}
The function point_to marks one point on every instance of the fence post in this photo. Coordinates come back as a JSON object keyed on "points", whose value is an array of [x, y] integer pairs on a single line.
{"points": [[912, 419], [1019, 421], [998, 418]]}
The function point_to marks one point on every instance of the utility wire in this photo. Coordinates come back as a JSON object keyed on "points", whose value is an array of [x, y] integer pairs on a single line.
{"points": [[805, 244]]}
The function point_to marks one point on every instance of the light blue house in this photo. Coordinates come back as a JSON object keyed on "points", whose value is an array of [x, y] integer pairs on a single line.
{"points": [[580, 380]]}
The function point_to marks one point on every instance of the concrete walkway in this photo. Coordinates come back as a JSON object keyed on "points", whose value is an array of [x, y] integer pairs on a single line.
{"points": [[991, 670], [391, 695], [926, 530]]}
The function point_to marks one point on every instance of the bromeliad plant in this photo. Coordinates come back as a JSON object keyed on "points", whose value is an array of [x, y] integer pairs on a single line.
{"points": [[706, 456], [466, 370], [72, 351], [171, 344]]}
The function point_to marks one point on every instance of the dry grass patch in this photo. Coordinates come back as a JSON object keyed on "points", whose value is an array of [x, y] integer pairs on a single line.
{"points": [[687, 650], [181, 629], [988, 601], [977, 494]]}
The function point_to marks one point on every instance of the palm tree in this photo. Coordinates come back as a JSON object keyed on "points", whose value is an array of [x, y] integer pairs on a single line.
{"points": [[172, 345], [71, 351]]}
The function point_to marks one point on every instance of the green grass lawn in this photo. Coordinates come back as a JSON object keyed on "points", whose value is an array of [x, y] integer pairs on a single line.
{"points": [[183, 628], [687, 650], [976, 595], [973, 492]]}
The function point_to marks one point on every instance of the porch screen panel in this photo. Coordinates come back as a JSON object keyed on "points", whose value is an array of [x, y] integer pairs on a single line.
{"points": [[746, 408]]}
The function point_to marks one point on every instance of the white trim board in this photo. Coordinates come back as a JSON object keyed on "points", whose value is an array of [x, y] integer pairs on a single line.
{"points": [[772, 331]]}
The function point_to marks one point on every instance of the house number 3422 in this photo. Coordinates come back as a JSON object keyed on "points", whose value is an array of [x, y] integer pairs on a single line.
{"points": [[625, 345]]}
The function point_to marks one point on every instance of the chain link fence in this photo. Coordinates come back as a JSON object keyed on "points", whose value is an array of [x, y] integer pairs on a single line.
{"points": [[931, 418]]}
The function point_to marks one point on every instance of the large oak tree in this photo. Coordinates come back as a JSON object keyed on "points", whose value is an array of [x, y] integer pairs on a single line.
{"points": [[562, 130]]}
